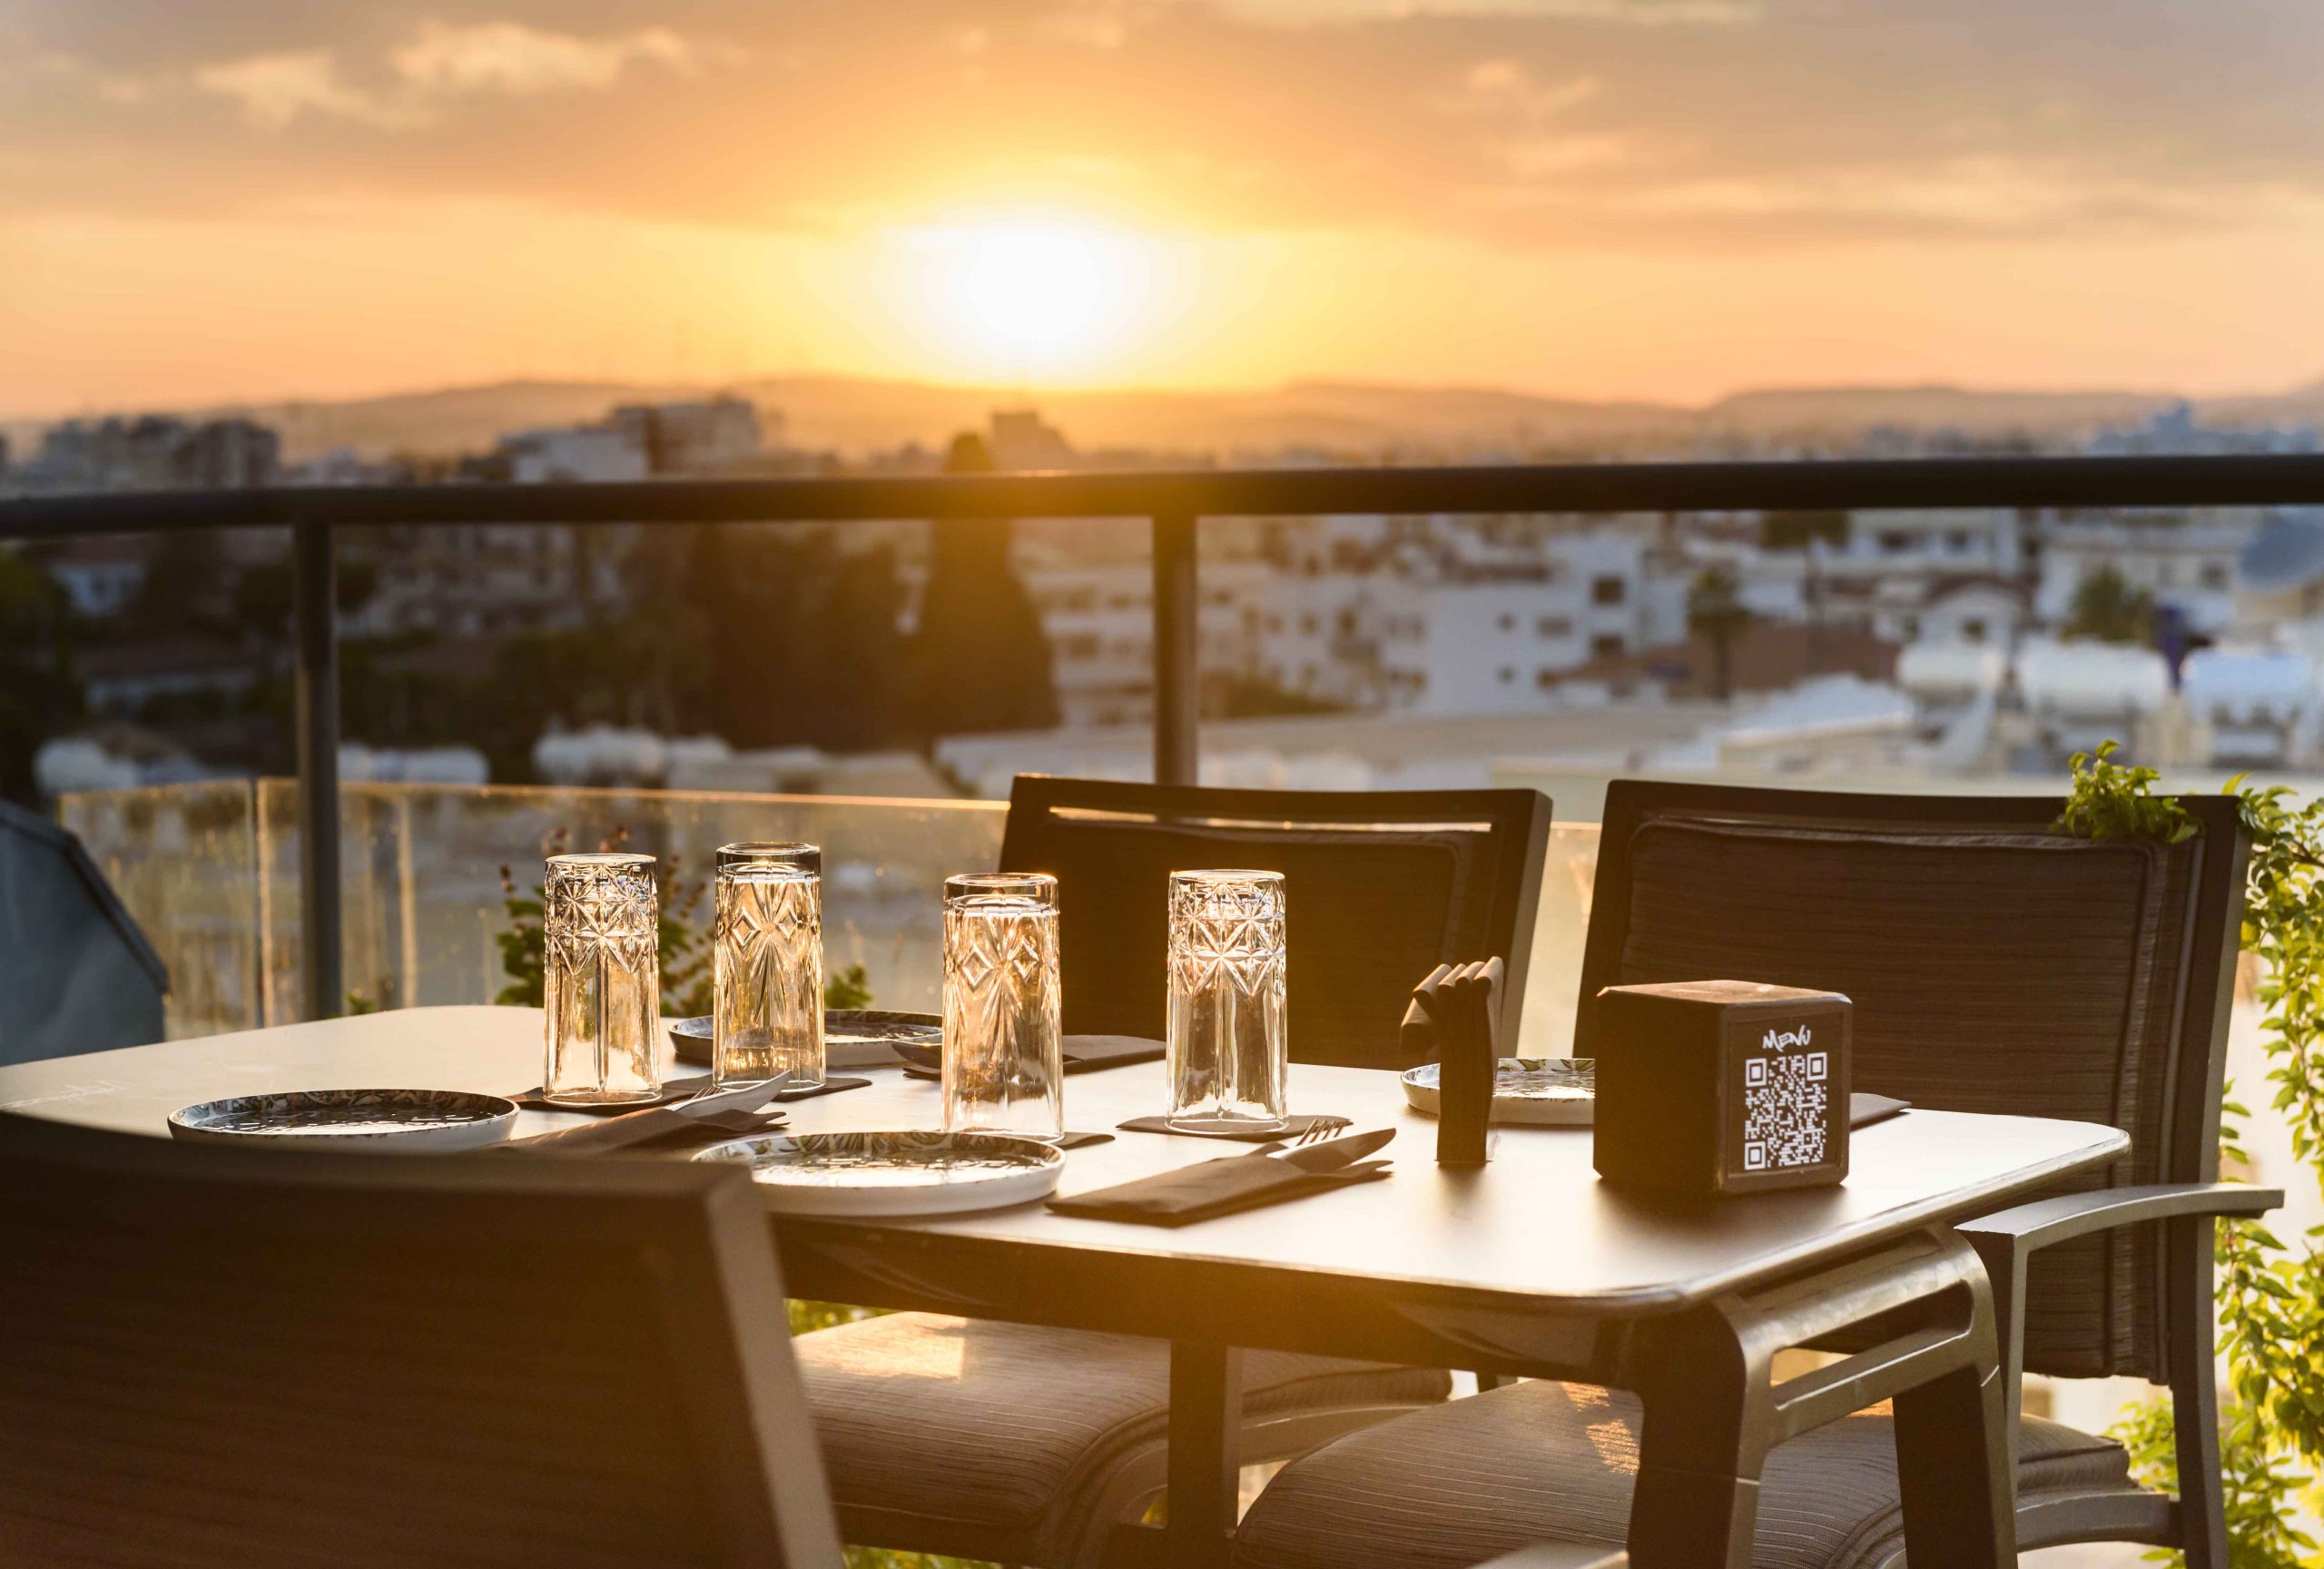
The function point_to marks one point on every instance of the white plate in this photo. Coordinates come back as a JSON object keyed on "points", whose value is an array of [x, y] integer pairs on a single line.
{"points": [[914, 1172], [397, 1120], [853, 1037], [1536, 1092]]}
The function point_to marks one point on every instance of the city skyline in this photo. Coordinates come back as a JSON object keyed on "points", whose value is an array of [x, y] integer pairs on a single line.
{"points": [[1671, 200]]}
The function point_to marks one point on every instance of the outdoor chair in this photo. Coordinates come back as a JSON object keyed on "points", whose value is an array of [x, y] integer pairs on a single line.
{"points": [[259, 1359], [1029, 1445], [80, 976], [1997, 964]]}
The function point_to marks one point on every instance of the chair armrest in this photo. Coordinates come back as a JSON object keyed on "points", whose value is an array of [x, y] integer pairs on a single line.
{"points": [[2031, 1226], [2006, 1242]]}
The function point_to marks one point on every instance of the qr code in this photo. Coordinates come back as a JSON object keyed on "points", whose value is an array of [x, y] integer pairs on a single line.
{"points": [[1785, 1102]]}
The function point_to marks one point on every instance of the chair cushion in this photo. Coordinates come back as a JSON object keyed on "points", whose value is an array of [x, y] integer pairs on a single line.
{"points": [[992, 1440], [1544, 1461]]}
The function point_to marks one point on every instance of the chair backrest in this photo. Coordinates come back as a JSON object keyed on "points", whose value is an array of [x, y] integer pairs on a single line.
{"points": [[1380, 888], [80, 976], [266, 1358], [1996, 964]]}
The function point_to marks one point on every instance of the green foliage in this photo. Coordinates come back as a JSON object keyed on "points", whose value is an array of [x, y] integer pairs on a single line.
{"points": [[2258, 1483], [2105, 608], [848, 988], [2270, 1294], [2112, 802]]}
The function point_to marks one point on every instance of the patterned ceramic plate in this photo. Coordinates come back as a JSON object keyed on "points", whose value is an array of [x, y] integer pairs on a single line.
{"points": [[397, 1120], [853, 1037], [907, 1173], [1543, 1092]]}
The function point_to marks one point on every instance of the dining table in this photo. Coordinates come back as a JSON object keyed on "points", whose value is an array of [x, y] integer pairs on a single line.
{"points": [[1527, 1265]]}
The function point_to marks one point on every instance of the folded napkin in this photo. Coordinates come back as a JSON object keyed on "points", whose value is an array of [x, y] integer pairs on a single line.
{"points": [[1293, 1129], [1087, 1053], [1081, 1054], [1864, 1109], [1212, 1188], [675, 1091]]}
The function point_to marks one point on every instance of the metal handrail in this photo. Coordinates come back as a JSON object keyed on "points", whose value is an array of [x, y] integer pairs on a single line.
{"points": [[1174, 501]]}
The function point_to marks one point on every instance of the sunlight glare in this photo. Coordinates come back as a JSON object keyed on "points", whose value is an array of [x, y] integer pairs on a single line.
{"points": [[1032, 300]]}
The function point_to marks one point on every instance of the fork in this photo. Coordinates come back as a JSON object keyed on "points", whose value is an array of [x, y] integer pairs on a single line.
{"points": [[1324, 1128]]}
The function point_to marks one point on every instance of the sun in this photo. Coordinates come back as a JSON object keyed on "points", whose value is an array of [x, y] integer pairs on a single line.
{"points": [[1034, 289], [1028, 299]]}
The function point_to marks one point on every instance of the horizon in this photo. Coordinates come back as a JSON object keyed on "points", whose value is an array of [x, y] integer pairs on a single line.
{"points": [[1035, 398]]}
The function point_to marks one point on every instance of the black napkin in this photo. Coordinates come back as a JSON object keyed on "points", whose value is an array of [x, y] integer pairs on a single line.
{"points": [[1072, 1140], [1089, 1053], [1221, 1186], [718, 1125], [809, 1092], [674, 1090], [1290, 1129], [1864, 1109]]}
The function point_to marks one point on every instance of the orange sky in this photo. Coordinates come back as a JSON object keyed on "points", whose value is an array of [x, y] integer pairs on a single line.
{"points": [[1665, 198]]}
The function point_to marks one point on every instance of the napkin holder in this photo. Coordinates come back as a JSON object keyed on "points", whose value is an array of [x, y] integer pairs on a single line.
{"points": [[1720, 1087], [1455, 1018]]}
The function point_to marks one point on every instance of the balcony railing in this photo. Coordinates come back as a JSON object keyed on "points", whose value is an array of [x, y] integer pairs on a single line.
{"points": [[1173, 502]]}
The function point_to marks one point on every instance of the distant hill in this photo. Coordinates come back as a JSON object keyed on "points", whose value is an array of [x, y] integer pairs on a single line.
{"points": [[1807, 411], [854, 415]]}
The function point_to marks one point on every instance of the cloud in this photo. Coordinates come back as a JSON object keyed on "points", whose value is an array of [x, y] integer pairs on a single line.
{"points": [[1535, 125], [274, 90], [509, 57], [442, 62]]}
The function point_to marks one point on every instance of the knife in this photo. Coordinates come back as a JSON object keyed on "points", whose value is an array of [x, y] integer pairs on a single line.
{"points": [[633, 1128], [1334, 1154]]}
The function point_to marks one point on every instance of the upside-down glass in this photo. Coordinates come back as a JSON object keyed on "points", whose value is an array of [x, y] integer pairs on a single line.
{"points": [[1004, 1067], [1227, 1052], [601, 980], [767, 966]]}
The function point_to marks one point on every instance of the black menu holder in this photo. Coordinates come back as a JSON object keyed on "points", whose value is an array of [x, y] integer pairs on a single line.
{"points": [[1715, 1087], [1454, 1011]]}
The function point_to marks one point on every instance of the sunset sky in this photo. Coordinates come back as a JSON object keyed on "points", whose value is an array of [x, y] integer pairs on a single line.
{"points": [[204, 200]]}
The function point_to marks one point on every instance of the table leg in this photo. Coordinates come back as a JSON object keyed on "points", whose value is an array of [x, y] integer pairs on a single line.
{"points": [[1206, 1427], [1957, 1479], [1697, 1499]]}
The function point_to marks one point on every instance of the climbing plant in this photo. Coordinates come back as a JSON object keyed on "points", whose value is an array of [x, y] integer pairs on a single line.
{"points": [[2271, 1293]]}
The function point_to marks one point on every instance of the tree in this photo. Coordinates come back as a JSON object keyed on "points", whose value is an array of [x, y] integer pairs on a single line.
{"points": [[980, 660], [184, 587], [2106, 608], [39, 694], [1715, 609]]}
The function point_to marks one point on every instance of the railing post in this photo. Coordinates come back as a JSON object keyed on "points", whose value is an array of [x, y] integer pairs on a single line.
{"points": [[1178, 650], [316, 697]]}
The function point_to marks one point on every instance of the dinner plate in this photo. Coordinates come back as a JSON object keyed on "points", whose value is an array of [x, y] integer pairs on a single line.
{"points": [[397, 1120], [853, 1037], [914, 1172], [1539, 1091]]}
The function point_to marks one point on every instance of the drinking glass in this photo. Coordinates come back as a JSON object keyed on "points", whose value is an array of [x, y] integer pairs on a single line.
{"points": [[768, 964], [601, 980], [1004, 1068], [1227, 1052]]}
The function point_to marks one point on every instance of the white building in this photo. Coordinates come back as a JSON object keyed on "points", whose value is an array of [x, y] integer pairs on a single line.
{"points": [[1098, 617], [1890, 563], [580, 454], [101, 575], [2186, 563], [714, 436]]}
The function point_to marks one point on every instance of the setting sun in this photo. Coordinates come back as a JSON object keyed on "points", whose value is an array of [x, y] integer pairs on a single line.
{"points": [[1030, 300]]}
